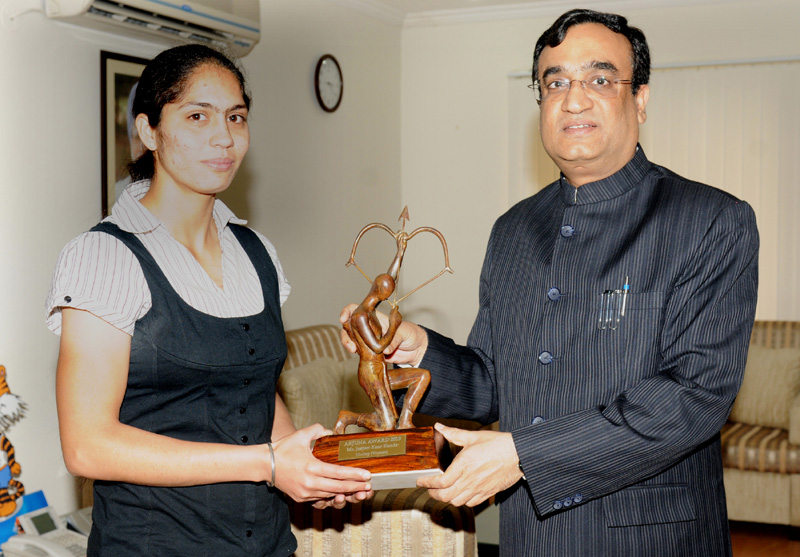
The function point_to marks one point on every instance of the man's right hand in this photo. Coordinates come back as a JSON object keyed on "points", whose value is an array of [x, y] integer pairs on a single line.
{"points": [[407, 347]]}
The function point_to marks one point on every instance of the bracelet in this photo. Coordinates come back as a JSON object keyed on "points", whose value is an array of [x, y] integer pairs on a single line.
{"points": [[272, 457]]}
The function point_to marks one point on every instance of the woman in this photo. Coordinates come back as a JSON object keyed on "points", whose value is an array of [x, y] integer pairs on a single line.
{"points": [[172, 342]]}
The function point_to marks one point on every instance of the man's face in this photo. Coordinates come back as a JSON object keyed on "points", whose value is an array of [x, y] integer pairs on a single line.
{"points": [[587, 136]]}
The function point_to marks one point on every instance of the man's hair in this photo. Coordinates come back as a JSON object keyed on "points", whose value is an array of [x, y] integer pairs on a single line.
{"points": [[555, 35]]}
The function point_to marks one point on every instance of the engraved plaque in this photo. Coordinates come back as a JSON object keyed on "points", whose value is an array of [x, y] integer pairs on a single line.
{"points": [[372, 447]]}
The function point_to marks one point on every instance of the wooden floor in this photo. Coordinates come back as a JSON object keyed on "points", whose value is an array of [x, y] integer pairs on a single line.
{"points": [[757, 540]]}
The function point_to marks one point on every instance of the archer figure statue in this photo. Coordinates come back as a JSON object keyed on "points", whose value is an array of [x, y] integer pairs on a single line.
{"points": [[365, 330]]}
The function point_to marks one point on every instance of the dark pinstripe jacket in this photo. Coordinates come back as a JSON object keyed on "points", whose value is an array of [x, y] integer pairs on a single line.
{"points": [[617, 429]]}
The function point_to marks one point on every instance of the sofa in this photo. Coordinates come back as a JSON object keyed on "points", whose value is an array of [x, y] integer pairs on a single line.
{"points": [[761, 440], [319, 379]]}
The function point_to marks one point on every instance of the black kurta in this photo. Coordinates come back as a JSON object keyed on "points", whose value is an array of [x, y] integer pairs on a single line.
{"points": [[617, 429]]}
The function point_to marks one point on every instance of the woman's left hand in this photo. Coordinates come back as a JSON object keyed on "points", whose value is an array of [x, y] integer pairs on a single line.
{"points": [[305, 478]]}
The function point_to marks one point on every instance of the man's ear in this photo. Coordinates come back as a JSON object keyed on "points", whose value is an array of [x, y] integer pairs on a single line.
{"points": [[147, 134], [642, 96]]}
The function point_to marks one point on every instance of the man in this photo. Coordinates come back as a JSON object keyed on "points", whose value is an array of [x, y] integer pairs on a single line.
{"points": [[615, 311]]}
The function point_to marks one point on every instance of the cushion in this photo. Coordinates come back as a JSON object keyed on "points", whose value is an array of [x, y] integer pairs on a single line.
{"points": [[771, 382], [312, 392]]}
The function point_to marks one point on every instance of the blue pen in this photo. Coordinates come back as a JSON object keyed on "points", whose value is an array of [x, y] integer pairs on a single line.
{"points": [[625, 289]]}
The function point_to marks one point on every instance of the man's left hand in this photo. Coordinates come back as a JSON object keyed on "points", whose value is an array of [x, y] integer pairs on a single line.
{"points": [[487, 464]]}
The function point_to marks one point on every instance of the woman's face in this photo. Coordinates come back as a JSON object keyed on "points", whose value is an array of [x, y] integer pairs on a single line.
{"points": [[203, 136]]}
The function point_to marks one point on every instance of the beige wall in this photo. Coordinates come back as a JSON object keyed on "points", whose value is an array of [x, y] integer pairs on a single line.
{"points": [[49, 146], [455, 159], [312, 179], [309, 182]]}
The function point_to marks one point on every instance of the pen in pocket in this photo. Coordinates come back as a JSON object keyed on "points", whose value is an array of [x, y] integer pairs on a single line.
{"points": [[625, 288], [612, 307]]}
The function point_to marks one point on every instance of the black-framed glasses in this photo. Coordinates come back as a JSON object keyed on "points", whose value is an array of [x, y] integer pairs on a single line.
{"points": [[597, 85]]}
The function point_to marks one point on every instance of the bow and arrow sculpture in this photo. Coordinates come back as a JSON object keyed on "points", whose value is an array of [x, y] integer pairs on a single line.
{"points": [[365, 330]]}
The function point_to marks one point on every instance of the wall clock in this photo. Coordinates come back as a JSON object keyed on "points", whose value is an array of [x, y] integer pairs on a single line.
{"points": [[328, 83]]}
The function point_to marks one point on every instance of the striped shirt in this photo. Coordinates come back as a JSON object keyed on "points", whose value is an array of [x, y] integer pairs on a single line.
{"points": [[98, 273]]}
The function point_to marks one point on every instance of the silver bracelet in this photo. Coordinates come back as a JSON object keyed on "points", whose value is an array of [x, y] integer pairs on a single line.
{"points": [[272, 457]]}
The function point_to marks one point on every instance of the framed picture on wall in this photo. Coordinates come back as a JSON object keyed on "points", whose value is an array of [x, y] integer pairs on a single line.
{"points": [[120, 143]]}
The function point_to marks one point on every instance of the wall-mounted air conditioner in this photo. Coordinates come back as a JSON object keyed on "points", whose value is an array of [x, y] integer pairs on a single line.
{"points": [[232, 24]]}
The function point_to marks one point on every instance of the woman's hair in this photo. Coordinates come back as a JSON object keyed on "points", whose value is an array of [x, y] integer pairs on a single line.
{"points": [[164, 81], [555, 35]]}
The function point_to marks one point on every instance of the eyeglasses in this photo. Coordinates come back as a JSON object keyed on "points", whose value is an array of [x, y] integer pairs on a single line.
{"points": [[598, 86]]}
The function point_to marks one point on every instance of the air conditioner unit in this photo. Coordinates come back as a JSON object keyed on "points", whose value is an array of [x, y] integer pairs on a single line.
{"points": [[234, 25]]}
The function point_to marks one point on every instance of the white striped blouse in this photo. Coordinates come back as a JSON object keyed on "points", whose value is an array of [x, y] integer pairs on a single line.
{"points": [[98, 273]]}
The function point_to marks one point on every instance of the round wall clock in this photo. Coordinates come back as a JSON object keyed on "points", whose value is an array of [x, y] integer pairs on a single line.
{"points": [[328, 83]]}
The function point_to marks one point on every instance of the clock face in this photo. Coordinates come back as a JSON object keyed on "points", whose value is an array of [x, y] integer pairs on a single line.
{"points": [[328, 83]]}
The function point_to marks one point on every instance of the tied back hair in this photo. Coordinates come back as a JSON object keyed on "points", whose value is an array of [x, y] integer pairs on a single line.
{"points": [[164, 81]]}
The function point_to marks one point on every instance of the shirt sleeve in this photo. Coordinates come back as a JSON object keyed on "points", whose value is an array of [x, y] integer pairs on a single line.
{"points": [[284, 288], [97, 273]]}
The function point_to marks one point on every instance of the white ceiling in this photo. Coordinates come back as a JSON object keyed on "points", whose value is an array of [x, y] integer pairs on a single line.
{"points": [[427, 11], [415, 6], [415, 12], [420, 6]]}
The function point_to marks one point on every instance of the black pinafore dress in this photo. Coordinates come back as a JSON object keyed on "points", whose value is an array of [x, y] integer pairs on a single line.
{"points": [[197, 377]]}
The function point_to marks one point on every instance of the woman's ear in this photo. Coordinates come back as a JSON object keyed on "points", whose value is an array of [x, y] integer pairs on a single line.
{"points": [[147, 134]]}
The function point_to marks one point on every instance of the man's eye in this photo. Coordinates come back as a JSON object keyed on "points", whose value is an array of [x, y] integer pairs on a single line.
{"points": [[557, 84], [196, 117], [238, 118], [600, 81]]}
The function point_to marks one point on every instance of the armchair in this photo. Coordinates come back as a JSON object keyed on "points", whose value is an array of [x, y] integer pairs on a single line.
{"points": [[761, 441]]}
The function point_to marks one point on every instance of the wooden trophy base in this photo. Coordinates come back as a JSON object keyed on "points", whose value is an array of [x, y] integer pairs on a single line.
{"points": [[394, 458]]}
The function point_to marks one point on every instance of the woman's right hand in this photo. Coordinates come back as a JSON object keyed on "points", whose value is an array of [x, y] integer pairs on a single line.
{"points": [[303, 477], [407, 347]]}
